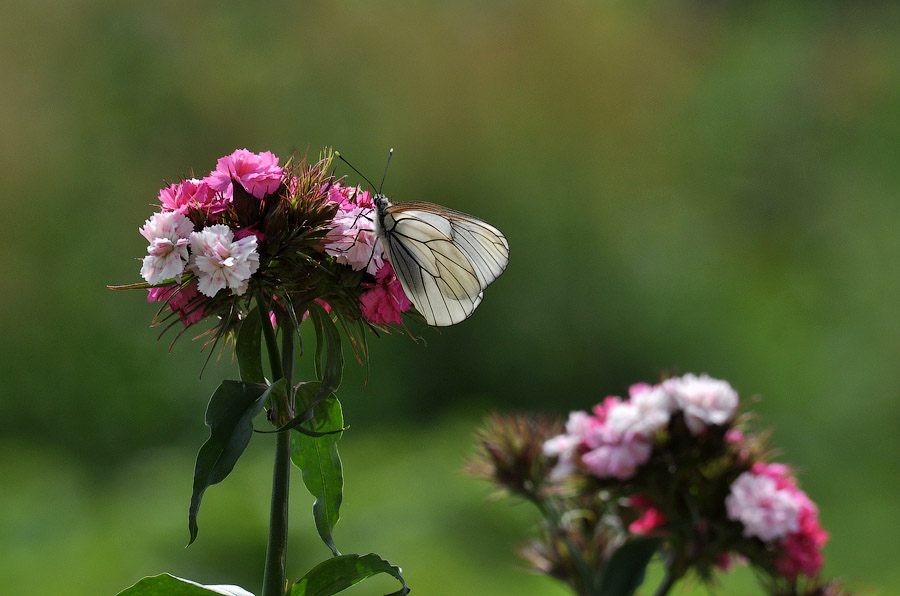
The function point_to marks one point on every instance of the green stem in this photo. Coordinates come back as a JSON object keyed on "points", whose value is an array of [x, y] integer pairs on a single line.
{"points": [[667, 583], [276, 551]]}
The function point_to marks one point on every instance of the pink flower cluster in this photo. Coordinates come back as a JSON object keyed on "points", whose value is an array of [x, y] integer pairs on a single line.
{"points": [[211, 254], [184, 302], [353, 241], [771, 507], [619, 436], [223, 255]]}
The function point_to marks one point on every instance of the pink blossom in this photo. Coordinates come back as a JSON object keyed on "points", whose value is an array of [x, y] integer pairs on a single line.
{"points": [[734, 436], [766, 511], [565, 446], [803, 548], [192, 194], [614, 448], [184, 302], [619, 460], [384, 303], [258, 173], [352, 238], [703, 400], [349, 197], [651, 409], [601, 409], [167, 254], [650, 519], [220, 261]]}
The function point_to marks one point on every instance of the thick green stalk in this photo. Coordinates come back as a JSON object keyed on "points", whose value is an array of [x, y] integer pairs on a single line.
{"points": [[276, 551], [667, 583]]}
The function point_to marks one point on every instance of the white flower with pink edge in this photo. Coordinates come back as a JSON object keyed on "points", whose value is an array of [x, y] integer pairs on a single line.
{"points": [[220, 261], [767, 512], [703, 400], [168, 251], [353, 240]]}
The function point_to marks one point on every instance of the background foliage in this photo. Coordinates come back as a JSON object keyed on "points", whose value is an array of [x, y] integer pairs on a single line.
{"points": [[686, 186]]}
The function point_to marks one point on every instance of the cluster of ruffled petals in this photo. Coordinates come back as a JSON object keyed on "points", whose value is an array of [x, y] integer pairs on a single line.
{"points": [[258, 173], [386, 300], [704, 401], [766, 511], [619, 437], [214, 255], [167, 254], [352, 239], [225, 254], [192, 194], [220, 261], [770, 505]]}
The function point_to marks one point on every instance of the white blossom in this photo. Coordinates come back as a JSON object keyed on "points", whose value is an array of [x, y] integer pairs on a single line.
{"points": [[168, 251], [219, 261], [703, 400]]}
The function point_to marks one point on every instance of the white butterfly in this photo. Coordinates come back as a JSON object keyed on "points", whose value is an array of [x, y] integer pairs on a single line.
{"points": [[443, 258]]}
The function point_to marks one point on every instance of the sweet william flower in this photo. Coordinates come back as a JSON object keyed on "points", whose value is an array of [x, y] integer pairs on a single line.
{"points": [[766, 511], [192, 194], [258, 173], [703, 400], [220, 261], [184, 302], [352, 239], [384, 303], [619, 459], [168, 251]]}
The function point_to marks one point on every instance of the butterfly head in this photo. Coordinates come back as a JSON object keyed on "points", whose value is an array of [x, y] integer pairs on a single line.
{"points": [[381, 202]]}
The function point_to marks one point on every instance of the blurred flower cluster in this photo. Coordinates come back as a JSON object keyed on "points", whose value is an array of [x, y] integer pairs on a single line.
{"points": [[672, 471], [292, 232]]}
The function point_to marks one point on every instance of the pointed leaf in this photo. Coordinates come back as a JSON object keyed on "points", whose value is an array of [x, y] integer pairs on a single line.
{"points": [[328, 340], [169, 585], [339, 573], [624, 572], [229, 417], [320, 464], [249, 348]]}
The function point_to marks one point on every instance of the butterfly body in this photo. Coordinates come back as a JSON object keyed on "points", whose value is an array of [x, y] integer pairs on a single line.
{"points": [[443, 258]]}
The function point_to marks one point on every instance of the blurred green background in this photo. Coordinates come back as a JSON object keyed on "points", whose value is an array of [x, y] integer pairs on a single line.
{"points": [[686, 186]]}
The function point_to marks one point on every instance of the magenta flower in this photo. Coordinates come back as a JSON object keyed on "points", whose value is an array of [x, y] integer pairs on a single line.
{"points": [[192, 194], [185, 302], [349, 197], [803, 548], [384, 303], [651, 517], [258, 173], [220, 261], [168, 251]]}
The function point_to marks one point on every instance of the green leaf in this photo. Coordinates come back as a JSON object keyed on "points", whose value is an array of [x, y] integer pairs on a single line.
{"points": [[320, 464], [328, 344], [229, 417], [624, 572], [169, 585], [248, 348], [339, 573]]}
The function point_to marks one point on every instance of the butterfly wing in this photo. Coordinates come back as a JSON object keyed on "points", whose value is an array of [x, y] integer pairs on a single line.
{"points": [[443, 258]]}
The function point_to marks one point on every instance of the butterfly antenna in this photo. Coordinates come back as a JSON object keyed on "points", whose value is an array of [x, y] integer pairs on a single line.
{"points": [[390, 155], [341, 157]]}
